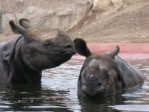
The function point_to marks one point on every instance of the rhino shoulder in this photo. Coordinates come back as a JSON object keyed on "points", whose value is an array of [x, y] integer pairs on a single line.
{"points": [[133, 78]]}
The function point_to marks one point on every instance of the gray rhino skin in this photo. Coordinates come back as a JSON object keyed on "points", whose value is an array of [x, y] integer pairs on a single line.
{"points": [[106, 74], [22, 59]]}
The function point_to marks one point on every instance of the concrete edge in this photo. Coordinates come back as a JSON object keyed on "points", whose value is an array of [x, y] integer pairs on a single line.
{"points": [[127, 50], [124, 47]]}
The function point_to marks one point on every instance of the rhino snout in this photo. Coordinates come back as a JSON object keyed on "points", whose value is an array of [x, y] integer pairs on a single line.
{"points": [[92, 81], [69, 49], [93, 90], [93, 86]]}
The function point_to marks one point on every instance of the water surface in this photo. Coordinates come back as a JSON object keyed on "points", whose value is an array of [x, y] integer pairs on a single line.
{"points": [[58, 93]]}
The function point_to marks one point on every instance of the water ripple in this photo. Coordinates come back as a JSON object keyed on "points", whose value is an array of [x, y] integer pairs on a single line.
{"points": [[58, 93]]}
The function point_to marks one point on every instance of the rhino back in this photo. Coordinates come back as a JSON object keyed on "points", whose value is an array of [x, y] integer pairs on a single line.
{"points": [[133, 78]]}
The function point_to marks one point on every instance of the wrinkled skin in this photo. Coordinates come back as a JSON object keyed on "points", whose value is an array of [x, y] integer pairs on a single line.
{"points": [[106, 74], [23, 58]]}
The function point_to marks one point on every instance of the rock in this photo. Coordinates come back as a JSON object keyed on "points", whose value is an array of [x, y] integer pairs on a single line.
{"points": [[64, 12], [101, 5], [117, 3], [43, 14], [19, 0]]}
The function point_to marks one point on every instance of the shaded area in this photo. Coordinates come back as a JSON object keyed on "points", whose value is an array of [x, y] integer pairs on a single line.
{"points": [[32, 98]]}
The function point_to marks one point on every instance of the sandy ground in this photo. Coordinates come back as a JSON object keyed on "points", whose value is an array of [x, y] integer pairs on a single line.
{"points": [[128, 25]]}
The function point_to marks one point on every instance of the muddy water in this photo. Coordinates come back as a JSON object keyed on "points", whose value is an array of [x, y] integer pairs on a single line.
{"points": [[58, 93]]}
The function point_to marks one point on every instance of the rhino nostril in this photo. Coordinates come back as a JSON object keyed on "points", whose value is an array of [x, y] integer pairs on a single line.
{"points": [[99, 83], [68, 46]]}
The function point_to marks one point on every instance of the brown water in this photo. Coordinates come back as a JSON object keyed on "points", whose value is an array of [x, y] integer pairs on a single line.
{"points": [[58, 93]]}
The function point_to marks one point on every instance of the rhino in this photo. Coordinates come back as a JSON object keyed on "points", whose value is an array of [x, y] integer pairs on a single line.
{"points": [[23, 58], [106, 74]]}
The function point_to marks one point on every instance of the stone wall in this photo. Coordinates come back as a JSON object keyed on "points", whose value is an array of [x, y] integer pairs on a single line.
{"points": [[43, 14], [53, 14]]}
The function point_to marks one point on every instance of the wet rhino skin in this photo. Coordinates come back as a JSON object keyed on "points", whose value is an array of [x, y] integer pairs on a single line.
{"points": [[22, 59], [132, 77], [106, 74]]}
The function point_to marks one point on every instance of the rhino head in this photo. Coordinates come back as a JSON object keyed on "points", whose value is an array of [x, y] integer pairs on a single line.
{"points": [[38, 52], [99, 75]]}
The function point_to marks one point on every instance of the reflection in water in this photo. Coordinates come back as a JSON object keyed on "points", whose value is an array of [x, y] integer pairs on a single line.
{"points": [[31, 97], [100, 105], [58, 93]]}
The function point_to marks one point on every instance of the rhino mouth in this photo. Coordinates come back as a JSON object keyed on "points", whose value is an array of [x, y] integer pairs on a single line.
{"points": [[68, 52], [93, 84], [93, 89]]}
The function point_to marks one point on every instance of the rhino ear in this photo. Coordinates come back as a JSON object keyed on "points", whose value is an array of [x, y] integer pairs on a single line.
{"points": [[81, 47], [16, 28], [114, 52], [24, 23]]}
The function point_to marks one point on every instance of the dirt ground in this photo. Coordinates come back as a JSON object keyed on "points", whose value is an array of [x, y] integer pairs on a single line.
{"points": [[128, 25]]}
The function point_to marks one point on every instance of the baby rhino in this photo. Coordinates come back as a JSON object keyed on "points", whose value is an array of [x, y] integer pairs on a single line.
{"points": [[106, 74]]}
